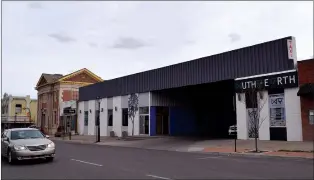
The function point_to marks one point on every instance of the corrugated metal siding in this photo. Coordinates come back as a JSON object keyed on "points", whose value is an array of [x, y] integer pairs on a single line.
{"points": [[160, 99], [258, 59]]}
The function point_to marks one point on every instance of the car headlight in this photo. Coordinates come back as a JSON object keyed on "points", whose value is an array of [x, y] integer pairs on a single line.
{"points": [[19, 148], [51, 145]]}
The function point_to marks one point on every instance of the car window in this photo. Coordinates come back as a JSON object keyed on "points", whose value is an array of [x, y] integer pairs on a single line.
{"points": [[26, 134]]}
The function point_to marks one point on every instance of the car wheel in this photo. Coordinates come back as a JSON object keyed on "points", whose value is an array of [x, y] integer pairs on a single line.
{"points": [[49, 159], [10, 158]]}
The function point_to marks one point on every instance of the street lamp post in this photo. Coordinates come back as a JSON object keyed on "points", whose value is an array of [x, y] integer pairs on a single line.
{"points": [[98, 121]]}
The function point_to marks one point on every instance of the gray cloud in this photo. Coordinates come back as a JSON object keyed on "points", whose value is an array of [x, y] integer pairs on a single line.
{"points": [[94, 45], [104, 23], [128, 43], [61, 37], [234, 37], [35, 5]]}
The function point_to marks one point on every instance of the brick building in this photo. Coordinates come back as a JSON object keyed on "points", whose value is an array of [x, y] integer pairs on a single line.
{"points": [[306, 93], [54, 90]]}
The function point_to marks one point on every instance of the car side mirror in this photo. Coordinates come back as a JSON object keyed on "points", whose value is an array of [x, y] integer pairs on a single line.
{"points": [[6, 139], [47, 136]]}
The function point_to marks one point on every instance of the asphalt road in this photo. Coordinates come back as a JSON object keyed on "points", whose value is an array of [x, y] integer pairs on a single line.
{"points": [[78, 161]]}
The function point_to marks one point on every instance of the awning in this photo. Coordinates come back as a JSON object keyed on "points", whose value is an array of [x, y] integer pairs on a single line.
{"points": [[306, 89]]}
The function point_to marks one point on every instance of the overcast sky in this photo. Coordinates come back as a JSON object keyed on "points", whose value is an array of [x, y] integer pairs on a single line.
{"points": [[113, 39]]}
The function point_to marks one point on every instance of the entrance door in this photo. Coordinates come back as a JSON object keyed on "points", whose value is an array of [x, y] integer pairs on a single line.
{"points": [[162, 121], [43, 121], [162, 125], [144, 124], [159, 124]]}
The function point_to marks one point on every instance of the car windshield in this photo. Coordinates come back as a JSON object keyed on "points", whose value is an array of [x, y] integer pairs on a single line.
{"points": [[26, 134]]}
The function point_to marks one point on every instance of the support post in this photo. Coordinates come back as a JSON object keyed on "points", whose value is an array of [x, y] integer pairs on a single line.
{"points": [[235, 143]]}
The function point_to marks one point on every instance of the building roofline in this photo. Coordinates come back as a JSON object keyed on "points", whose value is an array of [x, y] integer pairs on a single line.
{"points": [[267, 74], [305, 60], [257, 44], [272, 57]]}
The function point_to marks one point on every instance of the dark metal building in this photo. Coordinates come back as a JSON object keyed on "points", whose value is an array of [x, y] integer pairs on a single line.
{"points": [[262, 58]]}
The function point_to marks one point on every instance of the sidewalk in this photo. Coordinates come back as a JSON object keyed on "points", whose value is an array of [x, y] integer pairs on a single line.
{"points": [[223, 147]]}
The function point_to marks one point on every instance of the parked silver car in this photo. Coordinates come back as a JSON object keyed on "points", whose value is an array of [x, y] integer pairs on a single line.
{"points": [[25, 144]]}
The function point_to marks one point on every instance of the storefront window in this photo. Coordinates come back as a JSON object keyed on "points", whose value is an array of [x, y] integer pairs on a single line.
{"points": [[110, 117], [85, 118], [251, 99], [144, 110], [125, 118], [311, 117], [277, 110]]}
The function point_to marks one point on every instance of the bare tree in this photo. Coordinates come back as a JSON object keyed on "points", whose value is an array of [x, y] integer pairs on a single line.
{"points": [[255, 102], [132, 108]]}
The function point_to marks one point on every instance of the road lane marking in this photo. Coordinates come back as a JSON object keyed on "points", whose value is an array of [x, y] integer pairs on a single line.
{"points": [[86, 162], [158, 177]]}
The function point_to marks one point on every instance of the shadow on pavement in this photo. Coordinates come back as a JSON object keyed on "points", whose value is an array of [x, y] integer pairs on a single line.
{"points": [[26, 162]]}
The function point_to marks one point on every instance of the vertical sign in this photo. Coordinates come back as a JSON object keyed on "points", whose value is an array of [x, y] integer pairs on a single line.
{"points": [[290, 48], [277, 110]]}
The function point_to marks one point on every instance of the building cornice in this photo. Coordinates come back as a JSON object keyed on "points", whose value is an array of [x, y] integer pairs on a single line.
{"points": [[94, 76], [75, 83]]}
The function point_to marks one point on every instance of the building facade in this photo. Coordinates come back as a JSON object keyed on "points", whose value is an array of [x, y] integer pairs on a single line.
{"points": [[191, 98], [274, 108], [306, 93], [55, 91], [18, 109]]}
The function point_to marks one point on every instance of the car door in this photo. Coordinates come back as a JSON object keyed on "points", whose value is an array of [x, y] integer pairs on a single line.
{"points": [[3, 143]]}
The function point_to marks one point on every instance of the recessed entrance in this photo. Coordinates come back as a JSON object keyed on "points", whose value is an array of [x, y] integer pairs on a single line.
{"points": [[205, 110], [162, 120]]}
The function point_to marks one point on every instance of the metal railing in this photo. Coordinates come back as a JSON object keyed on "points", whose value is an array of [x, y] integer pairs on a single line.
{"points": [[15, 119]]}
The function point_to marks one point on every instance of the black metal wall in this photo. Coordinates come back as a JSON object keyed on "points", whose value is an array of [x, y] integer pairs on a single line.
{"points": [[258, 59]]}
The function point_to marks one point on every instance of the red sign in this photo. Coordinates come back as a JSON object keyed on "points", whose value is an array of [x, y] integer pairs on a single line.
{"points": [[290, 49]]}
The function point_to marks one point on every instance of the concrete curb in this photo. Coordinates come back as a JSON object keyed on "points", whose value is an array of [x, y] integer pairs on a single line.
{"points": [[196, 152], [255, 155]]}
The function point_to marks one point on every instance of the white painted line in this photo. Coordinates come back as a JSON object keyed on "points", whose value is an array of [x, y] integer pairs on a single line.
{"points": [[158, 177], [86, 162]]}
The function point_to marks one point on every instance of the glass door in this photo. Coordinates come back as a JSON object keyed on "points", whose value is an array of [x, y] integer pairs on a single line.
{"points": [[144, 124]]}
